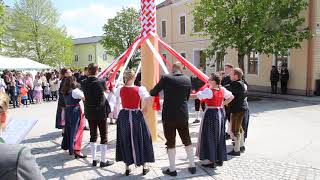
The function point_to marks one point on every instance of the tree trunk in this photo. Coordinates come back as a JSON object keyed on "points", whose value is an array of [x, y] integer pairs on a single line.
{"points": [[241, 61]]}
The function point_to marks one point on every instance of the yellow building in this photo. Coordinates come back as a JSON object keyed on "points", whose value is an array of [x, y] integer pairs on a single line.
{"points": [[175, 26], [90, 50]]}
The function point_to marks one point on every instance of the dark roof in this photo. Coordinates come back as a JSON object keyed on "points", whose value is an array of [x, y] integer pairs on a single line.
{"points": [[164, 4], [87, 40]]}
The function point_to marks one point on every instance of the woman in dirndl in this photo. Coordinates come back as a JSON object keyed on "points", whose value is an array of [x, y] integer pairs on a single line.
{"points": [[211, 147], [74, 121], [134, 143], [60, 120]]}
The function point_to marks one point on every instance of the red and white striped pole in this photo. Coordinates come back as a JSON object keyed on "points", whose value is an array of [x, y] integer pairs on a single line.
{"points": [[149, 66]]}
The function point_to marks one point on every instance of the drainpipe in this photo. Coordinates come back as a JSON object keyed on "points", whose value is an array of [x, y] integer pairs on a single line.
{"points": [[310, 49]]}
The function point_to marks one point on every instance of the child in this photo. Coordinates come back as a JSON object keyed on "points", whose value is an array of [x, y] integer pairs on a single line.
{"points": [[54, 86], [24, 95], [111, 98], [38, 89], [47, 92]]}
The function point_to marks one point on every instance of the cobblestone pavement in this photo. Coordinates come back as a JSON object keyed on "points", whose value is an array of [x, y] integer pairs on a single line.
{"points": [[282, 144]]}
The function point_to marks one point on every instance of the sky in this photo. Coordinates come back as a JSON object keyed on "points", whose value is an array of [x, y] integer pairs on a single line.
{"points": [[84, 18]]}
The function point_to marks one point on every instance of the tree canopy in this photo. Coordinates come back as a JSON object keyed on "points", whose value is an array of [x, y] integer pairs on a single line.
{"points": [[265, 26], [120, 32], [2, 20], [33, 32]]}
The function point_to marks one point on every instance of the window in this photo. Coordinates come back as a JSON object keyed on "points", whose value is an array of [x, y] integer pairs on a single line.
{"points": [[90, 57], [76, 58], [164, 29], [183, 55], [182, 25], [253, 63], [281, 60], [105, 56], [219, 61]]}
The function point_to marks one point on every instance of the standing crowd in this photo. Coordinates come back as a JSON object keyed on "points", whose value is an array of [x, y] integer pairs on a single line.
{"points": [[223, 100]]}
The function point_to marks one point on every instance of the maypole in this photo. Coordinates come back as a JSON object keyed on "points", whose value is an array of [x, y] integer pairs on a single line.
{"points": [[149, 42], [149, 66]]}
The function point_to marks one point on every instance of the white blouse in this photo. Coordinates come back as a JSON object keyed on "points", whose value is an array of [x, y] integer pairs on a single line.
{"points": [[77, 94], [208, 94]]}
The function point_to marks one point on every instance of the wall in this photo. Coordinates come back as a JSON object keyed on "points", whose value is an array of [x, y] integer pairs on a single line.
{"points": [[83, 51], [191, 41]]}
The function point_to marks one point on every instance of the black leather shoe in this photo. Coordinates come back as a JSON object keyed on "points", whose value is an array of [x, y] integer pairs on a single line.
{"points": [[108, 163], [94, 162], [219, 163], [242, 149], [192, 170], [234, 153], [81, 156], [168, 172], [210, 165], [145, 171], [227, 136], [196, 121], [128, 171]]}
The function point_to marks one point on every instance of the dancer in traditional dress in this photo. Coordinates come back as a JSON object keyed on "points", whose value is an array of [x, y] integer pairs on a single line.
{"points": [[196, 85], [211, 148], [95, 112], [61, 105], [175, 115], [134, 143], [111, 97], [74, 122], [237, 109]]}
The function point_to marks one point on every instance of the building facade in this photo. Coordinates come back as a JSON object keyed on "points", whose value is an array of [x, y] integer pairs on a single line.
{"points": [[90, 50], [175, 26]]}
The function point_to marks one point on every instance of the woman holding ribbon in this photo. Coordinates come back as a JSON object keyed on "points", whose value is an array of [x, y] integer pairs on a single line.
{"points": [[134, 144], [74, 121], [211, 148]]}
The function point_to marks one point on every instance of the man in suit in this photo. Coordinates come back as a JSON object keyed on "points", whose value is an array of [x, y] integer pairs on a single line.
{"points": [[95, 112], [16, 161], [175, 115], [284, 79], [274, 78]]}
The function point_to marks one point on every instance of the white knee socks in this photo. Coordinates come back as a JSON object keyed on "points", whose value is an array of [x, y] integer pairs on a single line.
{"points": [[172, 159], [103, 148], [197, 114], [237, 144], [190, 155], [93, 147], [242, 139]]}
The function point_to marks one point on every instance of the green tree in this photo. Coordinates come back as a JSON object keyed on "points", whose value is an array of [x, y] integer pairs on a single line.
{"points": [[120, 32], [2, 20], [266, 26], [33, 32]]}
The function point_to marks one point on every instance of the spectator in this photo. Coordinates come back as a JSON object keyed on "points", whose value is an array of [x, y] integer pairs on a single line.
{"points": [[16, 162], [54, 86], [3, 85], [274, 78], [284, 79], [38, 89]]}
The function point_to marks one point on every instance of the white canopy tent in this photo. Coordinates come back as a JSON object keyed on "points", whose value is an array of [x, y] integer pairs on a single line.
{"points": [[20, 64]]}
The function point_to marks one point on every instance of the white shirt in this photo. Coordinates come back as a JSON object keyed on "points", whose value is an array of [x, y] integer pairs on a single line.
{"points": [[208, 94], [2, 85], [77, 94]]}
